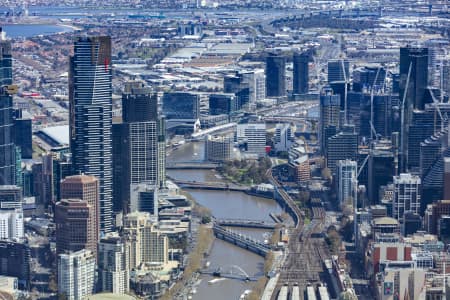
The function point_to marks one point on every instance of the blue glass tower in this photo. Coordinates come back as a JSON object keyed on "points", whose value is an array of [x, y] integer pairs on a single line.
{"points": [[90, 92]]}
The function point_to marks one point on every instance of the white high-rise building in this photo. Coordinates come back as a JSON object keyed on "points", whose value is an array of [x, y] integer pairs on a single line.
{"points": [[113, 267], [406, 195], [346, 171], [144, 242], [76, 274], [11, 223], [255, 137], [283, 139]]}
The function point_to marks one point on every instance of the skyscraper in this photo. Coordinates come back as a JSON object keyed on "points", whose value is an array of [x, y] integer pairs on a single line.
{"points": [[338, 70], [15, 261], [113, 270], [342, 146], [7, 151], [406, 195], [413, 62], [329, 117], [346, 181], [135, 144], [86, 188], [76, 274], [75, 226], [90, 95], [275, 76], [301, 73]]}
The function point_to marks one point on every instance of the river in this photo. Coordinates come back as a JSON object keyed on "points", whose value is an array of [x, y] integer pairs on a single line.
{"points": [[232, 205]]}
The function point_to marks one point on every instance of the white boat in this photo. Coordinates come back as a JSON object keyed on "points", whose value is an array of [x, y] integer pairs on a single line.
{"points": [[215, 280]]}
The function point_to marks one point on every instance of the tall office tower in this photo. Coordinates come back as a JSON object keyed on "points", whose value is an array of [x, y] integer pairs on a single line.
{"points": [[382, 115], [355, 110], [283, 138], [7, 151], [406, 195], [329, 118], [226, 103], [413, 61], [446, 192], [433, 180], [113, 270], [181, 106], [75, 226], [62, 168], [336, 69], [301, 73], [235, 84], [90, 96], [445, 77], [23, 134], [366, 77], [275, 76], [86, 188], [342, 146], [254, 135], [145, 244], [218, 148], [430, 150], [162, 152], [15, 262], [347, 182], [421, 127], [76, 274], [381, 168], [248, 86], [43, 180], [11, 222], [135, 144]]}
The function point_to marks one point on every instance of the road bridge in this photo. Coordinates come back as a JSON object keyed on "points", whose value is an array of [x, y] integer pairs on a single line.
{"points": [[241, 240], [245, 223]]}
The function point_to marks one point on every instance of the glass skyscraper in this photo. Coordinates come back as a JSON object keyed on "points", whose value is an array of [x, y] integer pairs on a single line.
{"points": [[7, 150], [90, 92]]}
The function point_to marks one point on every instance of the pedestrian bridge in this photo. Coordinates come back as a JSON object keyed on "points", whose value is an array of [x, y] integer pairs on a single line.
{"points": [[245, 223], [231, 272], [191, 165]]}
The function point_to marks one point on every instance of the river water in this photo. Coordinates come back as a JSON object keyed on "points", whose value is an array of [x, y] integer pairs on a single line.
{"points": [[232, 205]]}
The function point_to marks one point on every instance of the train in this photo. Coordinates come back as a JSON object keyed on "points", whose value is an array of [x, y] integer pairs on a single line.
{"points": [[295, 293], [310, 293], [323, 293], [283, 294]]}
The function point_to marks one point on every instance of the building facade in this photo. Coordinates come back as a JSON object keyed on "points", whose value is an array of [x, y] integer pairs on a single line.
{"points": [[90, 96], [76, 274], [275, 76], [75, 226], [113, 270], [7, 152]]}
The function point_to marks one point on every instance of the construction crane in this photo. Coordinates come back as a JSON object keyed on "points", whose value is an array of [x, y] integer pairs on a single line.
{"points": [[372, 131], [436, 105], [402, 124], [346, 82]]}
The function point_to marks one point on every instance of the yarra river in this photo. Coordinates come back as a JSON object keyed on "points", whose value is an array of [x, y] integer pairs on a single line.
{"points": [[231, 205]]}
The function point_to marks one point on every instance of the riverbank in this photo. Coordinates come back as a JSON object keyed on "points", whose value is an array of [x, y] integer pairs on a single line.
{"points": [[205, 239]]}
